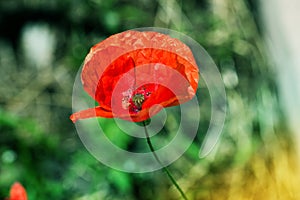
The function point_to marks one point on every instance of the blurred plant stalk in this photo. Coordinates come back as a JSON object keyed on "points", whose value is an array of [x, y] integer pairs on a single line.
{"points": [[282, 30]]}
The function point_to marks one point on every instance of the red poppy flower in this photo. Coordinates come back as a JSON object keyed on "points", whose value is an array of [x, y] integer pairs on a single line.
{"points": [[17, 192], [133, 75]]}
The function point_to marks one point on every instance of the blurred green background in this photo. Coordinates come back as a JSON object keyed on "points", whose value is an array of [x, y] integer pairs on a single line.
{"points": [[42, 46]]}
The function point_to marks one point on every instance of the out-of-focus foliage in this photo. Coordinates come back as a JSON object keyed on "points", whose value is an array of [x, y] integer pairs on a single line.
{"points": [[42, 45]]}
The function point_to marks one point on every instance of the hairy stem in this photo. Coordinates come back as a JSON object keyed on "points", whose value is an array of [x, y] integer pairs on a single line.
{"points": [[165, 169]]}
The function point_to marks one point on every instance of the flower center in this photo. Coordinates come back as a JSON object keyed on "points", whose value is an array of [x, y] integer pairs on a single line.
{"points": [[134, 100], [138, 100]]}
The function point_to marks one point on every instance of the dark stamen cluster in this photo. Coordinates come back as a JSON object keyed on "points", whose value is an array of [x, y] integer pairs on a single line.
{"points": [[137, 100]]}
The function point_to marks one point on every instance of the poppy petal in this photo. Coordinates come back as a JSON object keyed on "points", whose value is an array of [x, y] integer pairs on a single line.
{"points": [[91, 112], [112, 74], [17, 192], [111, 56]]}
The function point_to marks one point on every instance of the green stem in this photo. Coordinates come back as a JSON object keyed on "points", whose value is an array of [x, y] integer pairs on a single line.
{"points": [[165, 169]]}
